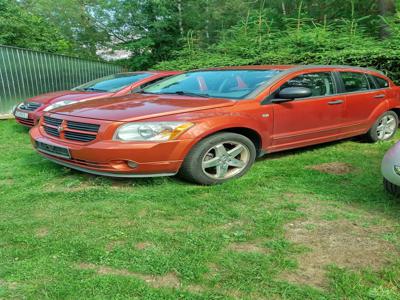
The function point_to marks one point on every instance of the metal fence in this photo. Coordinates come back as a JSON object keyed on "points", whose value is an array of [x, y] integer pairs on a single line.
{"points": [[26, 73]]}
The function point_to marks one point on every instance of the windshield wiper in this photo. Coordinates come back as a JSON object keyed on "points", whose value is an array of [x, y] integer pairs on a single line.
{"points": [[94, 90], [183, 93], [142, 91]]}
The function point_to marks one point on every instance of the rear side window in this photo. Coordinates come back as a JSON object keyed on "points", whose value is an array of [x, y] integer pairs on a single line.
{"points": [[354, 82], [321, 84], [382, 83]]}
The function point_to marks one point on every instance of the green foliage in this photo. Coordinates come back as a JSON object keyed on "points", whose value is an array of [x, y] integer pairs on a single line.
{"points": [[56, 223], [21, 28], [259, 41]]}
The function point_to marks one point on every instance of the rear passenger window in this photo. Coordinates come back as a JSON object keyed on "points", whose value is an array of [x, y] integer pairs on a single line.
{"points": [[354, 82], [382, 83], [321, 84]]}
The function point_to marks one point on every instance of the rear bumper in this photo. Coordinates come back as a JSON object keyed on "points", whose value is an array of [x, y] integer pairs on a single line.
{"points": [[118, 159]]}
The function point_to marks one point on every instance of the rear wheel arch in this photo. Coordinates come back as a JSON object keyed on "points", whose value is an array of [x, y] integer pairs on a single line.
{"points": [[396, 110]]}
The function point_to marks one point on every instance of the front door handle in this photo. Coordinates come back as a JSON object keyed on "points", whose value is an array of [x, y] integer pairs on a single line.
{"points": [[380, 96], [336, 102]]}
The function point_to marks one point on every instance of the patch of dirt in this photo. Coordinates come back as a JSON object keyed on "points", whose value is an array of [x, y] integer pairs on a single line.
{"points": [[247, 247], [9, 284], [169, 280], [61, 187], [340, 242], [6, 182], [143, 245], [213, 271], [142, 213], [230, 225], [42, 232], [196, 288], [120, 184], [111, 246], [336, 168]]}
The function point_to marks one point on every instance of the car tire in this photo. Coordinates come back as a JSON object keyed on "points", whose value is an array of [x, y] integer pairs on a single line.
{"points": [[217, 159], [375, 134], [391, 188]]}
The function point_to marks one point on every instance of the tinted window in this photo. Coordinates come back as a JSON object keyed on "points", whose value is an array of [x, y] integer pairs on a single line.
{"points": [[112, 83], [232, 84], [382, 83], [321, 84], [371, 82], [354, 82]]}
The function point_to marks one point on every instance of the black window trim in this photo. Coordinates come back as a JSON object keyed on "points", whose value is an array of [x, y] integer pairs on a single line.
{"points": [[342, 90], [372, 78], [272, 95], [376, 83]]}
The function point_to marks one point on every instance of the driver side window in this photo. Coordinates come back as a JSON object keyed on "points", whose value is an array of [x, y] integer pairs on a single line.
{"points": [[321, 84]]}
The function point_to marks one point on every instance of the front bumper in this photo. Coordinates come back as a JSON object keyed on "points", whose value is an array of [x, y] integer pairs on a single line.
{"points": [[32, 120], [118, 159]]}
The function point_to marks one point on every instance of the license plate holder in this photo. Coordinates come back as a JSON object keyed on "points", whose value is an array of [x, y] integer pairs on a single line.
{"points": [[53, 150], [21, 114]]}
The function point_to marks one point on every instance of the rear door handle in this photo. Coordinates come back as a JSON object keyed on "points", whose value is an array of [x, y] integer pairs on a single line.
{"points": [[336, 102], [380, 96]]}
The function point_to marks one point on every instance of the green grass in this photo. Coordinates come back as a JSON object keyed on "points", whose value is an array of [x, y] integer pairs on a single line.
{"points": [[68, 235]]}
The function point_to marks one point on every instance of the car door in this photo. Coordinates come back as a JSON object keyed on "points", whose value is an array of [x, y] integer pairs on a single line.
{"points": [[362, 98], [310, 120]]}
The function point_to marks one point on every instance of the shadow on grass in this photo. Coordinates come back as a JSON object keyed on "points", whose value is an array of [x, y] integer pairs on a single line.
{"points": [[285, 153]]}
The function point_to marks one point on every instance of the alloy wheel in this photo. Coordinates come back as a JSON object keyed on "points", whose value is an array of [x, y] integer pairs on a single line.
{"points": [[386, 127], [225, 160]]}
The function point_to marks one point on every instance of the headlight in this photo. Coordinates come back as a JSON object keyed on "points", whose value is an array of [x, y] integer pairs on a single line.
{"points": [[397, 169], [151, 131], [58, 104]]}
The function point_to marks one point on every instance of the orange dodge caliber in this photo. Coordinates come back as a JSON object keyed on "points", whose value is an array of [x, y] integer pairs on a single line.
{"points": [[210, 125]]}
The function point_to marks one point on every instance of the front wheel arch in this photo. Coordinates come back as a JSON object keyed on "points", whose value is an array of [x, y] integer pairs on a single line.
{"points": [[251, 134]]}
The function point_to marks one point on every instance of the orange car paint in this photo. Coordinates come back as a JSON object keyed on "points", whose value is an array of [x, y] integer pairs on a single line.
{"points": [[273, 126]]}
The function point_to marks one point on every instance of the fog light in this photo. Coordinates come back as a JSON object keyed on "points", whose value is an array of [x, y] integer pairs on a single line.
{"points": [[397, 169], [132, 164]]}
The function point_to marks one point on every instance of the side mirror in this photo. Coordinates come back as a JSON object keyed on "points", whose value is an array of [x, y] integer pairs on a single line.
{"points": [[292, 93]]}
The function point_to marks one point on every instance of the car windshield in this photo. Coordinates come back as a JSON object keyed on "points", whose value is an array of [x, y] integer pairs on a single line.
{"points": [[112, 83], [231, 84]]}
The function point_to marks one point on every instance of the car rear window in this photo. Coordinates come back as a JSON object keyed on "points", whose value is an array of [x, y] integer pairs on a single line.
{"points": [[382, 83], [354, 82]]}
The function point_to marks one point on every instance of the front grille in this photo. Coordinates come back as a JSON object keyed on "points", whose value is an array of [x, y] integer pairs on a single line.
{"points": [[70, 130], [26, 122], [51, 131], [30, 106], [77, 136], [83, 126], [52, 121]]}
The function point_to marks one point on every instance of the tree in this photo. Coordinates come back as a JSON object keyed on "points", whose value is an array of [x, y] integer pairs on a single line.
{"points": [[387, 8], [21, 28]]}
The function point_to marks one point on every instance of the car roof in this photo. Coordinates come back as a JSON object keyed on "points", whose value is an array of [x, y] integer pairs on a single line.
{"points": [[252, 67], [153, 72], [292, 68]]}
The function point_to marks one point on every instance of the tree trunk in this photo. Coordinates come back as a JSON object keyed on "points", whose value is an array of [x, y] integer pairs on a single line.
{"points": [[387, 8], [180, 21], [207, 21]]}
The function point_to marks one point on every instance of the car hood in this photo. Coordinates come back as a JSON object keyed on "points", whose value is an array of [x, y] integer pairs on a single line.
{"points": [[50, 98], [137, 107]]}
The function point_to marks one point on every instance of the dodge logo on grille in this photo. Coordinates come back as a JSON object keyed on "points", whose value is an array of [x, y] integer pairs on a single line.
{"points": [[60, 129]]}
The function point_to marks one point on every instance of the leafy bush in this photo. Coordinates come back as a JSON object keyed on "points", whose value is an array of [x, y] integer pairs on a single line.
{"points": [[343, 43]]}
